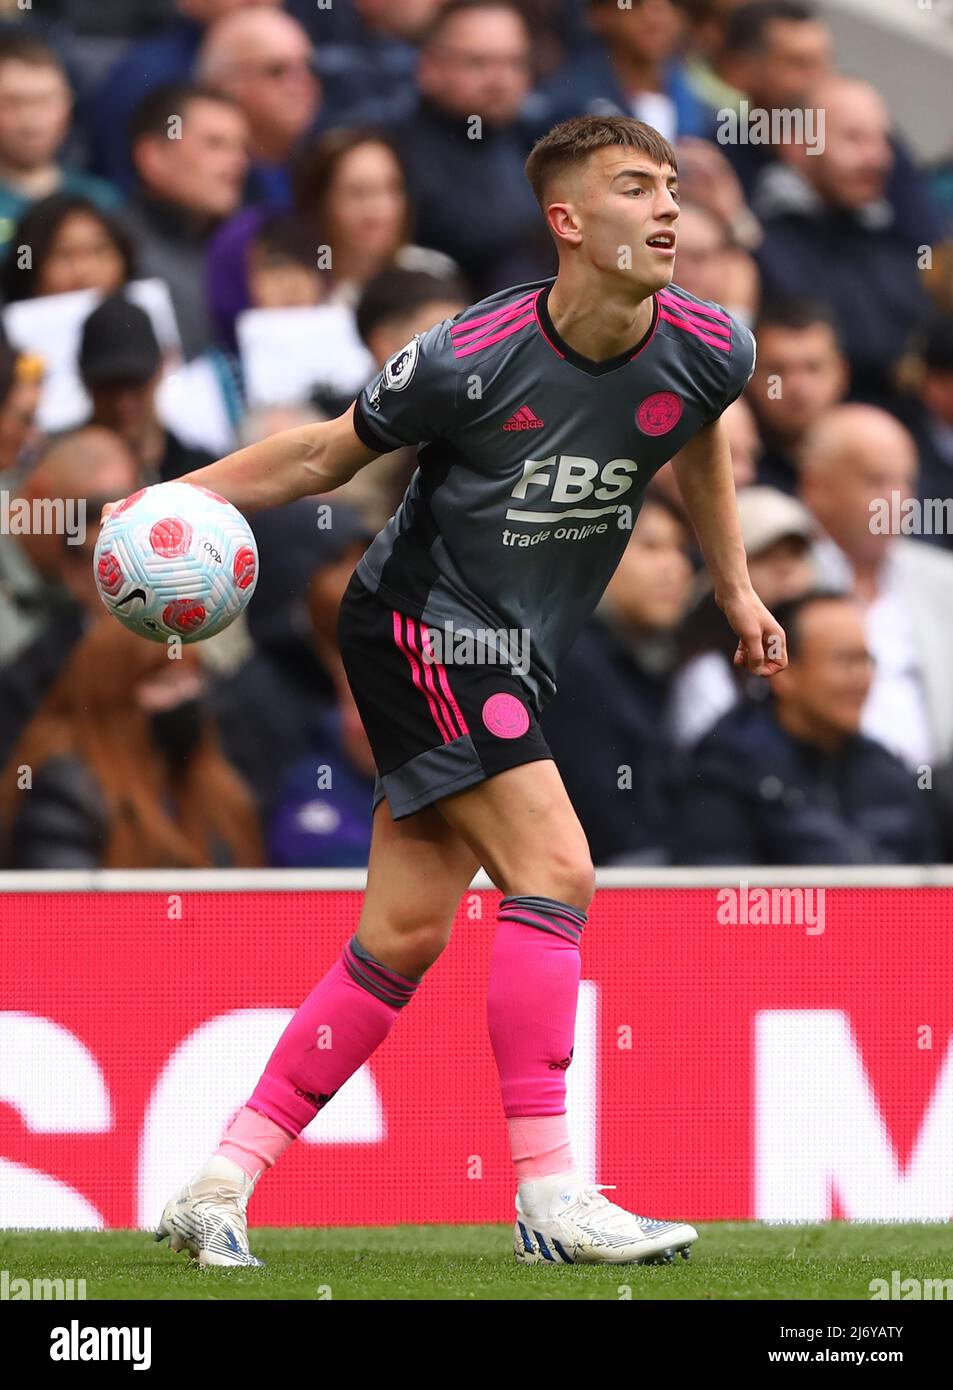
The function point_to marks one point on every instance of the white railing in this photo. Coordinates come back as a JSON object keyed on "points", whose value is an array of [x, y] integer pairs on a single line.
{"points": [[329, 880]]}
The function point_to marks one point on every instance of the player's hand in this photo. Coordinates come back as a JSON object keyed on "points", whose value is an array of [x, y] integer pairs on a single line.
{"points": [[761, 643], [107, 509]]}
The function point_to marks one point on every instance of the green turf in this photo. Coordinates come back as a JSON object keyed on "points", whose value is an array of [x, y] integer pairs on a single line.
{"points": [[731, 1261]]}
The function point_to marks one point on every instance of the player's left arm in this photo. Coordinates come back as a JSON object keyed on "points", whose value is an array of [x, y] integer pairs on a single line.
{"points": [[706, 482]]}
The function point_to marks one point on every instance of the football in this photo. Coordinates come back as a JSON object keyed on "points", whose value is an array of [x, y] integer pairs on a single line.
{"points": [[175, 560]]}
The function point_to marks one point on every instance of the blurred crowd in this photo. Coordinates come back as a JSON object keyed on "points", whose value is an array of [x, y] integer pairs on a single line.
{"points": [[217, 219]]}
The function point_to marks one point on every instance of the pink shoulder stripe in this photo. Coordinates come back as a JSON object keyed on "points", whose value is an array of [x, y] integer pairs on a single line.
{"points": [[695, 330], [687, 307], [505, 310], [505, 332], [504, 316]]}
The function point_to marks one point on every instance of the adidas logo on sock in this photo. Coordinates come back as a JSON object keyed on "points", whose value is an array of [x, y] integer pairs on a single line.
{"points": [[524, 419]]}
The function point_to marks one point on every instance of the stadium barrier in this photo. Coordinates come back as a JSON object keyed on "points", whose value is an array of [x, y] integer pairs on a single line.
{"points": [[750, 1044]]}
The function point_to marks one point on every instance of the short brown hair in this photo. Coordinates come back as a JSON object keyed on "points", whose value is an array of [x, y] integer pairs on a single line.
{"points": [[30, 50], [573, 141]]}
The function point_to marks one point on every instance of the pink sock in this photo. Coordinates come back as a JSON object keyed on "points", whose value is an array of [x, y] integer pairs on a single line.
{"points": [[540, 1146], [531, 1002], [344, 1019], [253, 1141]]}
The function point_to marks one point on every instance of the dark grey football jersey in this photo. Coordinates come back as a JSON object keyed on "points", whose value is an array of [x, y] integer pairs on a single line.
{"points": [[534, 460]]}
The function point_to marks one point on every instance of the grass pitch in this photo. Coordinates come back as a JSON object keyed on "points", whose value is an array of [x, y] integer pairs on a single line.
{"points": [[731, 1261]]}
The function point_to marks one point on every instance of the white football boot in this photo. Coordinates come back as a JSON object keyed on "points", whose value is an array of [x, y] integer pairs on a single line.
{"points": [[207, 1218], [567, 1221]]}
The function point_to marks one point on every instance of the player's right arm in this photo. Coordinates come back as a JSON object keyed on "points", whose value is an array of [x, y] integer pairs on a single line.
{"points": [[294, 463], [410, 400]]}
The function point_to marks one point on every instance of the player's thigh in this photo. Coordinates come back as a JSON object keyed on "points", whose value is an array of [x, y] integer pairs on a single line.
{"points": [[522, 827], [418, 869]]}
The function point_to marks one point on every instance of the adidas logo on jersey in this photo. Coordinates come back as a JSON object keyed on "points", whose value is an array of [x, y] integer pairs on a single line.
{"points": [[524, 419]]}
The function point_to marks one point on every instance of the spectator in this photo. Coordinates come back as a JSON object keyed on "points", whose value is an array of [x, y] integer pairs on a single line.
{"points": [[351, 195], [264, 61], [800, 374], [21, 378], [745, 450], [168, 56], [473, 79], [777, 532], [744, 442], [634, 70], [368, 76], [72, 246], [606, 724], [774, 53], [829, 231], [125, 767], [294, 685], [706, 24], [709, 265], [35, 108], [322, 813], [778, 53], [257, 255], [45, 573], [120, 363], [931, 421], [396, 305], [283, 268], [857, 462], [791, 780], [189, 180]]}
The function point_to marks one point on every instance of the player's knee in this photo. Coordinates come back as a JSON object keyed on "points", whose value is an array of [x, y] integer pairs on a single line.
{"points": [[409, 949], [567, 876]]}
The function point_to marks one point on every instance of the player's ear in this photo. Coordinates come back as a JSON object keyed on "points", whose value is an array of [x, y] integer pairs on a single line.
{"points": [[564, 223]]}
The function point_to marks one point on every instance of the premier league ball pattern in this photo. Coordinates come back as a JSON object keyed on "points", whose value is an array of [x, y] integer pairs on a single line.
{"points": [[176, 560]]}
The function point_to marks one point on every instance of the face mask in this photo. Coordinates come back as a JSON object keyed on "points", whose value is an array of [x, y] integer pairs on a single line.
{"points": [[176, 731]]}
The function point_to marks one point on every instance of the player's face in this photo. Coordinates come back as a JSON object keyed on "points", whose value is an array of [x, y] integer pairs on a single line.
{"points": [[627, 211]]}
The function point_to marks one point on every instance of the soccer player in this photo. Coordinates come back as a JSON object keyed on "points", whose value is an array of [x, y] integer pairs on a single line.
{"points": [[542, 413]]}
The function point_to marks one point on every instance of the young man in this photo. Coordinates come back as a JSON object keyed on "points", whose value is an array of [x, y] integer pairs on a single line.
{"points": [[545, 410]]}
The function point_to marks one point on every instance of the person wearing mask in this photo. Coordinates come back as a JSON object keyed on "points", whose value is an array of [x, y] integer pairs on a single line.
{"points": [[125, 769]]}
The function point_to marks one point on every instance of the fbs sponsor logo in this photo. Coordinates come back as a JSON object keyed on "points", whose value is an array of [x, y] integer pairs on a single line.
{"points": [[524, 419]]}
